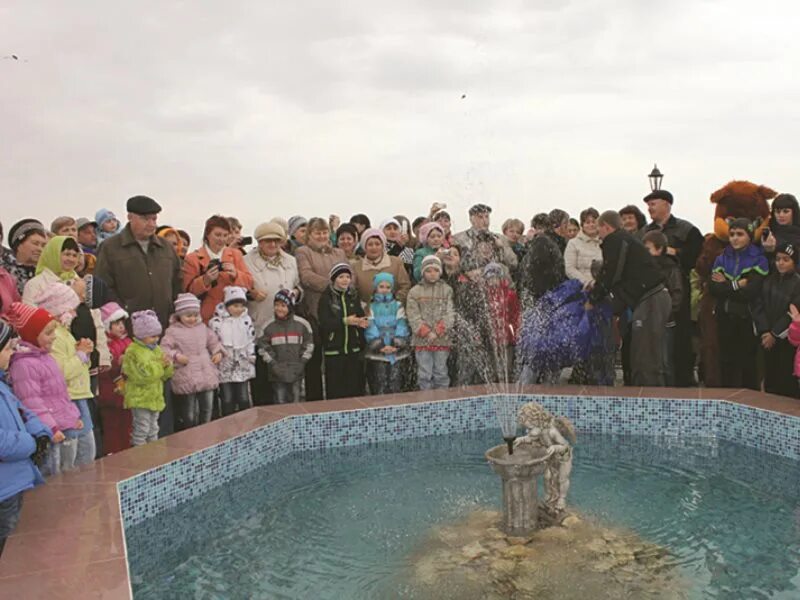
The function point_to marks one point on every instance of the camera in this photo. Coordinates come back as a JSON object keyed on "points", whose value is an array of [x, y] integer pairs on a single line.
{"points": [[765, 234], [214, 262], [246, 241]]}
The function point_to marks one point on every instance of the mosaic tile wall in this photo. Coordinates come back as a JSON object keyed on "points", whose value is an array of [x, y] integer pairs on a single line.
{"points": [[145, 495]]}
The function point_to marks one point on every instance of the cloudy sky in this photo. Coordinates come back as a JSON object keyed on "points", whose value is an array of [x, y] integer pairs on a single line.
{"points": [[264, 108]]}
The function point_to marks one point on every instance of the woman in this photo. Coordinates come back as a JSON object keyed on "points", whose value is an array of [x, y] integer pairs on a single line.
{"points": [[173, 237], [397, 243], [573, 228], [215, 266], [632, 219], [314, 263], [187, 243], [59, 259], [784, 224], [375, 261], [273, 270], [584, 248], [27, 239]]}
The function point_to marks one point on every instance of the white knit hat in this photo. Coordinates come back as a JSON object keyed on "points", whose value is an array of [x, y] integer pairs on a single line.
{"points": [[234, 293]]}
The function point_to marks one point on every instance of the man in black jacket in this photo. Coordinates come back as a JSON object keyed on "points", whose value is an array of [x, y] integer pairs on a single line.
{"points": [[684, 244], [634, 282]]}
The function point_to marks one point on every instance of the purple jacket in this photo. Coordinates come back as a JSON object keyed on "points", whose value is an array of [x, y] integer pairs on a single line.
{"points": [[198, 343], [40, 385]]}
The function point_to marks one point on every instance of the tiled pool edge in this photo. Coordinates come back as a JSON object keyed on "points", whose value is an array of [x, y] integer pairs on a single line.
{"points": [[103, 573]]}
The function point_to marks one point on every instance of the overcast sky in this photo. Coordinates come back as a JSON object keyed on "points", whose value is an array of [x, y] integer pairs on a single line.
{"points": [[265, 108]]}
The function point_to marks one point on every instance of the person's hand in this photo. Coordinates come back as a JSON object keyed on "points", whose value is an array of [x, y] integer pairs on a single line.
{"points": [[767, 340], [182, 359], [672, 251], [363, 322], [352, 320], [211, 275], [85, 345], [79, 424], [216, 358], [588, 286], [770, 243], [404, 238], [258, 295], [388, 350], [717, 277], [794, 313], [431, 336], [742, 282], [58, 437], [229, 269], [165, 360], [588, 306]]}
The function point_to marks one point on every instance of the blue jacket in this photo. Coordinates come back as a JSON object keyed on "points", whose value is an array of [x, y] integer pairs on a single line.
{"points": [[18, 427], [388, 326]]}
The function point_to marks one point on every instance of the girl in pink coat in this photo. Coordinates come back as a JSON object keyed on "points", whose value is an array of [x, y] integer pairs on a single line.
{"points": [[39, 383], [195, 351]]}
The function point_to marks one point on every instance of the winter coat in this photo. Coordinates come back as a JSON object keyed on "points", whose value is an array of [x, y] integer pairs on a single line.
{"points": [[286, 347], [419, 256], [269, 278], [195, 266], [72, 365], [771, 307], [314, 267], [404, 253], [365, 271], [388, 326], [430, 308], [8, 290], [22, 274], [18, 429], [580, 253], [748, 263], [140, 280], [673, 279], [466, 241], [38, 284], [503, 305], [145, 374], [238, 338], [794, 339], [681, 235], [40, 385], [88, 323], [338, 337], [198, 343], [108, 397]]}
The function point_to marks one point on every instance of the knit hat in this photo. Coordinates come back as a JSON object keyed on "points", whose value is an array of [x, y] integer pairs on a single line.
{"points": [[111, 312], [381, 278], [493, 269], [659, 195], [234, 293], [186, 303], [28, 320], [145, 323], [103, 215], [6, 334], [269, 231], [282, 222], [390, 222], [295, 223], [286, 297], [370, 233], [431, 262], [426, 229], [338, 269], [57, 298], [787, 249], [23, 229]]}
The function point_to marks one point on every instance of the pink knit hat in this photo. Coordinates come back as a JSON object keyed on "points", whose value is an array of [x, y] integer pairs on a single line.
{"points": [[426, 229], [145, 324], [370, 233], [186, 303], [111, 312], [57, 299]]}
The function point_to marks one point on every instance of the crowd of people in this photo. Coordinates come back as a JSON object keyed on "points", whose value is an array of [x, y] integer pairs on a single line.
{"points": [[112, 334]]}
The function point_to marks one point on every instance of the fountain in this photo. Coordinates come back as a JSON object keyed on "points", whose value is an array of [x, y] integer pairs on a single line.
{"points": [[544, 450]]}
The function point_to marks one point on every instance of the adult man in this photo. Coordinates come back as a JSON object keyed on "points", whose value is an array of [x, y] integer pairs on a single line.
{"points": [[633, 280], [685, 243], [87, 235], [479, 219]]}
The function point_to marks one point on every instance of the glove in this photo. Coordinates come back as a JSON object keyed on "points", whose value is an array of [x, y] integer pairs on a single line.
{"points": [[439, 328], [42, 445]]}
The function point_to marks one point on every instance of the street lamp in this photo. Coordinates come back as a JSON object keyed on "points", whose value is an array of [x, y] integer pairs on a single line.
{"points": [[655, 178]]}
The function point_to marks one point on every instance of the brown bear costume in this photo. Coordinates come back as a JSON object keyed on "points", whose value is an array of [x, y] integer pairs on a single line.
{"points": [[736, 199]]}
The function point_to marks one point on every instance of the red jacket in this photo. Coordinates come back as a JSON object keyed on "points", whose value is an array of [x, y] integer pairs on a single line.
{"points": [[108, 397], [196, 265], [505, 312]]}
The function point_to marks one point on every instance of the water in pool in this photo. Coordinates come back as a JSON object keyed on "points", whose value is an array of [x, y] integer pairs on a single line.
{"points": [[345, 523]]}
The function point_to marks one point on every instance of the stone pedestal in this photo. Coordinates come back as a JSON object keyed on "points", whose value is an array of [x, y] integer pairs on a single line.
{"points": [[519, 472]]}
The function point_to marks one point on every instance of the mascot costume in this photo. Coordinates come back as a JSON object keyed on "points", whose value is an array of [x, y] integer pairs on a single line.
{"points": [[734, 200]]}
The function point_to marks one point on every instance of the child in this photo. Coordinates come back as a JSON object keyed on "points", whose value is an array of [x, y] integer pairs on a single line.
{"points": [[430, 315], [431, 238], [107, 224], [116, 419], [736, 279], [771, 315], [145, 368], [195, 351], [286, 346], [235, 330], [504, 317], [73, 358], [39, 384], [387, 338], [656, 243], [22, 437], [341, 320]]}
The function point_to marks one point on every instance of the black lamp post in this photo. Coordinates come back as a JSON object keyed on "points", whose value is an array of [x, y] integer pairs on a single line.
{"points": [[655, 178]]}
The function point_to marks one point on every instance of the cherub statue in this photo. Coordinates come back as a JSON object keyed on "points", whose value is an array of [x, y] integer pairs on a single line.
{"points": [[554, 434]]}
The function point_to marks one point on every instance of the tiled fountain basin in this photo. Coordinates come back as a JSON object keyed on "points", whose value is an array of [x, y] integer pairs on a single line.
{"points": [[91, 507]]}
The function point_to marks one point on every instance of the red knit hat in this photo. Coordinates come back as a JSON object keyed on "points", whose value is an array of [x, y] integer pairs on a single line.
{"points": [[28, 320]]}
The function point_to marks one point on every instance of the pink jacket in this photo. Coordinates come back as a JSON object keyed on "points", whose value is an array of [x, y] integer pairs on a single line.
{"points": [[198, 343], [8, 290], [40, 385], [794, 338]]}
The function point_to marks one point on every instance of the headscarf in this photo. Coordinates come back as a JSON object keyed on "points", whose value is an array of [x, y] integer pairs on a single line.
{"points": [[170, 231], [51, 258]]}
